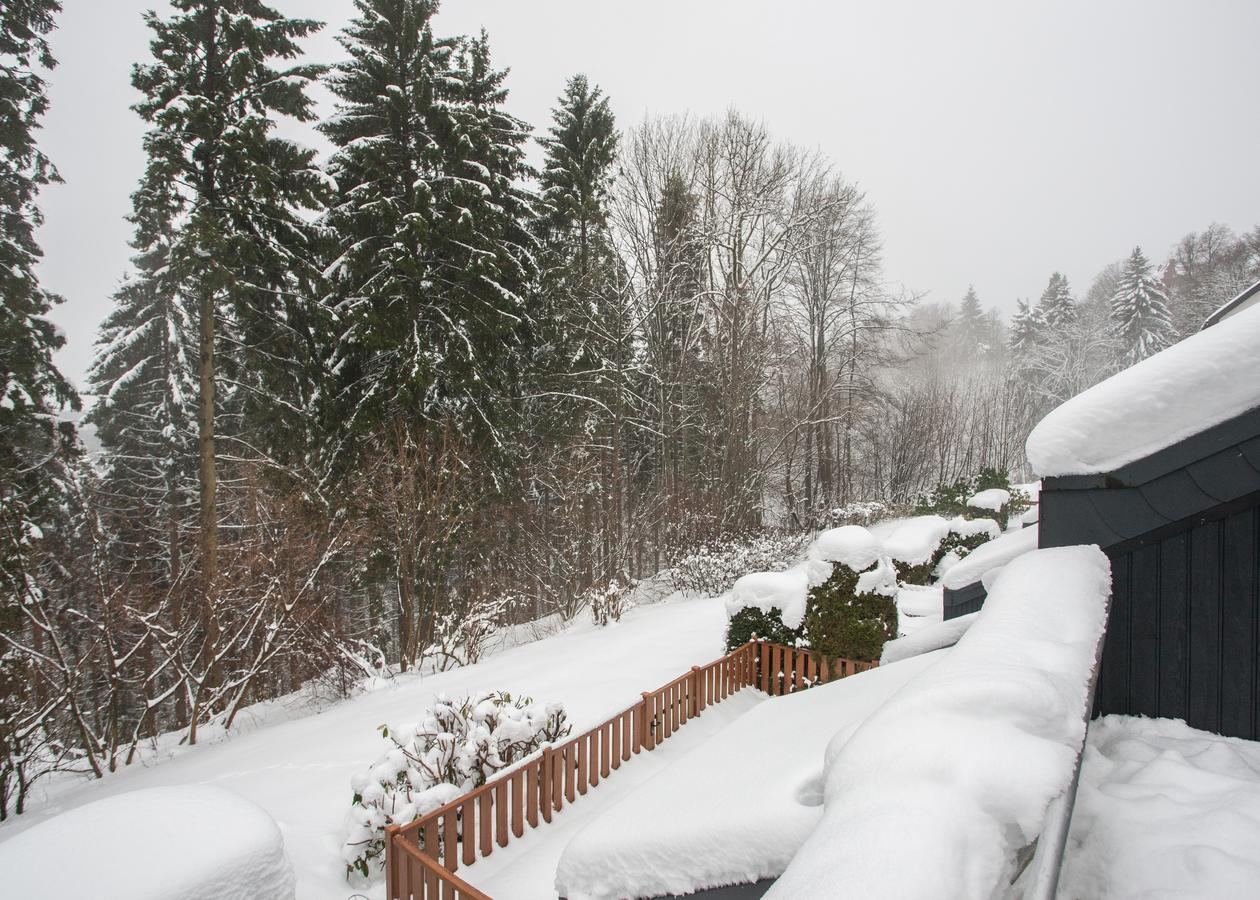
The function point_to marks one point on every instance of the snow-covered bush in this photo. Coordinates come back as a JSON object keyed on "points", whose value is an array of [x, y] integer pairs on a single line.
{"points": [[713, 567], [920, 545], [457, 746], [861, 512], [608, 602], [956, 499], [840, 601]]}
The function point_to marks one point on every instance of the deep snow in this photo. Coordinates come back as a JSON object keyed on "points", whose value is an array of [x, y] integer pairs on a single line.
{"points": [[933, 795], [193, 842], [1206, 379], [299, 771], [753, 796]]}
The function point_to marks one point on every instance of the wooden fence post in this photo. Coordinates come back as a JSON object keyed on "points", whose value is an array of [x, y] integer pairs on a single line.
{"points": [[697, 701], [392, 861]]}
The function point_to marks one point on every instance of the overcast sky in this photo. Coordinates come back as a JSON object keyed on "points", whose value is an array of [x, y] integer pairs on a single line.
{"points": [[998, 141]]}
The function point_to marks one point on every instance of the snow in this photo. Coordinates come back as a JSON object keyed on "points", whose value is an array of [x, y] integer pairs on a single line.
{"points": [[299, 770], [992, 499], [932, 636], [955, 771], [752, 798], [1164, 810], [788, 591], [1208, 378], [913, 541], [193, 842], [850, 545], [989, 556]]}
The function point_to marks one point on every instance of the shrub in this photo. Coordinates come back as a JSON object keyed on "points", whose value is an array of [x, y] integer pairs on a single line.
{"points": [[714, 566], [456, 747], [843, 620], [751, 622]]}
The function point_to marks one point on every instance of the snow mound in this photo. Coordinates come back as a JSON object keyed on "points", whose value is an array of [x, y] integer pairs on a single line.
{"points": [[752, 798], [956, 770], [1164, 810], [987, 557], [933, 636], [913, 541], [850, 545], [789, 591], [194, 843], [1208, 378], [972, 527], [992, 499]]}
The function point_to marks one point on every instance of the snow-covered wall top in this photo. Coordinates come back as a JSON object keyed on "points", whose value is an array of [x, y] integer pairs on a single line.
{"points": [[1205, 380], [933, 795], [195, 842]]}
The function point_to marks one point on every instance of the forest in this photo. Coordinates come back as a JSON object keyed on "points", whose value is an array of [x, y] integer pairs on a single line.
{"points": [[351, 414]]}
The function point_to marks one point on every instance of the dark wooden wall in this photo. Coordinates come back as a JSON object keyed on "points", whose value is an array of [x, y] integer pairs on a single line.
{"points": [[1184, 631]]}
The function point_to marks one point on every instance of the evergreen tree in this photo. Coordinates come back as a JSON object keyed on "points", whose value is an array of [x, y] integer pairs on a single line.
{"points": [[1024, 332], [1140, 319], [1057, 307], [970, 327], [145, 381], [230, 193], [36, 450], [434, 263]]}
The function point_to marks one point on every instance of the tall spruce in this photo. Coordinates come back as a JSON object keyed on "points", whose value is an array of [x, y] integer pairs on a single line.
{"points": [[971, 329], [433, 264], [1140, 319], [145, 380], [231, 193], [36, 450], [1057, 306]]}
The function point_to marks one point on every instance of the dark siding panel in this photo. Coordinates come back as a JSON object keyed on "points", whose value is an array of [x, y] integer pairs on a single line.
{"points": [[1204, 697], [1113, 679], [1174, 601], [1238, 625], [1144, 631]]}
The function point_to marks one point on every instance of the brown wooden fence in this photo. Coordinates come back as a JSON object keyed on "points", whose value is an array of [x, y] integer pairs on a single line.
{"points": [[422, 857]]}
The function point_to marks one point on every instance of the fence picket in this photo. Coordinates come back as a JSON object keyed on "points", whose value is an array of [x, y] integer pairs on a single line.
{"points": [[422, 856]]}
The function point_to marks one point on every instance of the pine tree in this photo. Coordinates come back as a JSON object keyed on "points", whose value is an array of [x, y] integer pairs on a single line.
{"points": [[1140, 319], [1024, 333], [434, 265], [145, 381], [1058, 308], [231, 194], [36, 450], [969, 328]]}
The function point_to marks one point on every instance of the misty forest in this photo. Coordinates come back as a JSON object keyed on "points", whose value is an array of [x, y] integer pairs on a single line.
{"points": [[351, 414]]}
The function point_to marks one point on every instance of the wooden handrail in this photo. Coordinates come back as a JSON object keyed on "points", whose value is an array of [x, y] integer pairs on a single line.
{"points": [[422, 856]]}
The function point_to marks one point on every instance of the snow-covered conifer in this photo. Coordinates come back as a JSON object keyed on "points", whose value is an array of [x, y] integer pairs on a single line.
{"points": [[1057, 307], [1140, 319]]}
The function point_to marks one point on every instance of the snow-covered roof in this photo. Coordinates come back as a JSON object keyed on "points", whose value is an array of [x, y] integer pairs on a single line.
{"points": [[1209, 378], [1246, 299], [195, 842]]}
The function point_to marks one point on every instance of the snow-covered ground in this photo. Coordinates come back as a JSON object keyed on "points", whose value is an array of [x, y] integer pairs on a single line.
{"points": [[137, 847], [299, 770], [753, 795], [1164, 810]]}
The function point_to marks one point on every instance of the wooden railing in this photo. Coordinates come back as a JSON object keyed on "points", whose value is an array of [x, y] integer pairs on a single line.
{"points": [[422, 857]]}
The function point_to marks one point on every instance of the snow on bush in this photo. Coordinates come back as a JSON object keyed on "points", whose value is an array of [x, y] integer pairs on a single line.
{"points": [[714, 567], [194, 842], [851, 545], [992, 499], [921, 544], [956, 770], [861, 512], [456, 747], [836, 602], [992, 555]]}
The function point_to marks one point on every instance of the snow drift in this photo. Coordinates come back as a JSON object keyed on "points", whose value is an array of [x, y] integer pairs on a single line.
{"points": [[194, 843], [955, 771]]}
